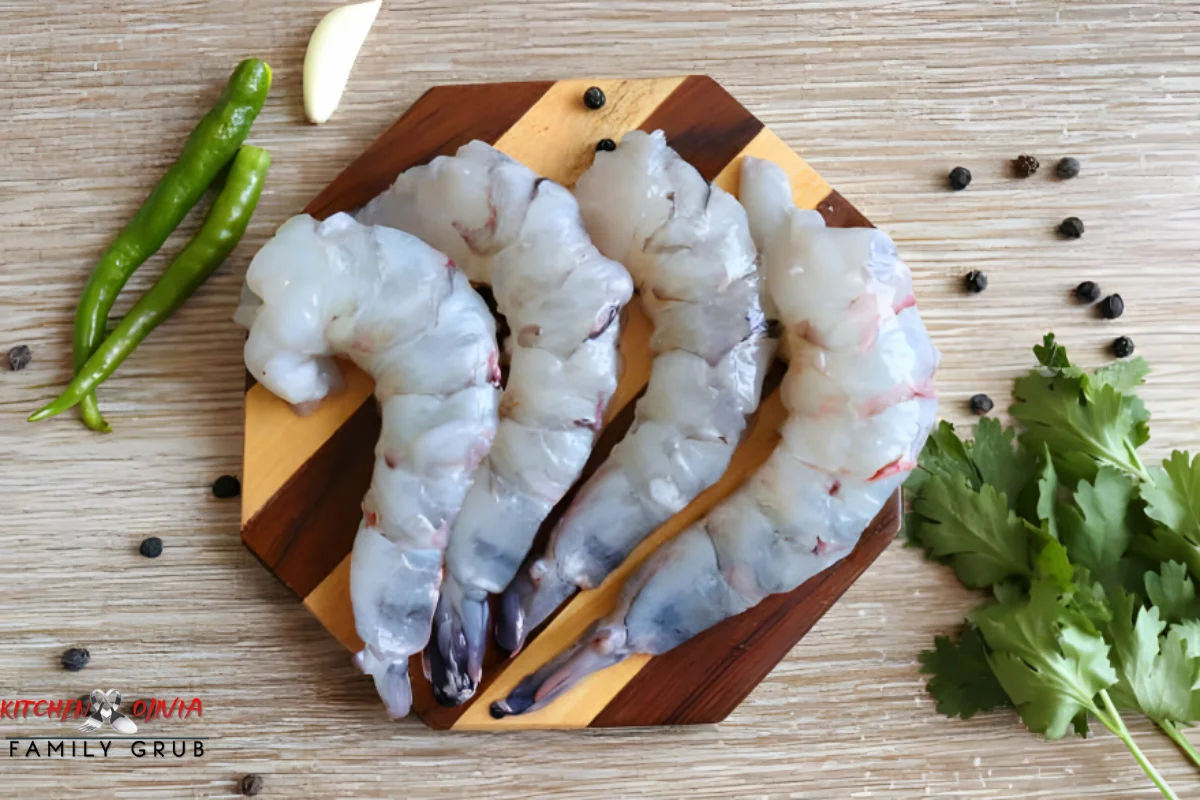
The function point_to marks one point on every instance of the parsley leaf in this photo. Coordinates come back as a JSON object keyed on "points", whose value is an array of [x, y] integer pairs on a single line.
{"points": [[1173, 593], [1158, 674], [1000, 463], [1048, 494], [1095, 529], [1173, 495], [962, 684], [1124, 376], [976, 532], [944, 454], [1050, 666], [1083, 421]]}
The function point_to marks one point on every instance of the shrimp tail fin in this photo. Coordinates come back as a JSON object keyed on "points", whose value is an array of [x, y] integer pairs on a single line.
{"points": [[534, 594], [454, 657], [604, 645], [391, 681]]}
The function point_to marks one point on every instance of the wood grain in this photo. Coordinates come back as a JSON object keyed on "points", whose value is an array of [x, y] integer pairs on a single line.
{"points": [[881, 97]]}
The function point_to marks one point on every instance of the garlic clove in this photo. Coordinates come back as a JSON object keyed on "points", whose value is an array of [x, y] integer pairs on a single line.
{"points": [[331, 53]]}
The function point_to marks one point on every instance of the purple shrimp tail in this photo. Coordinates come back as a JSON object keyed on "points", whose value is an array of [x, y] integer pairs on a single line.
{"points": [[534, 594], [453, 659], [602, 646]]}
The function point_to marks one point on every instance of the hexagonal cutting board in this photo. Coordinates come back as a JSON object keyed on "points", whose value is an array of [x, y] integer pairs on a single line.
{"points": [[304, 477]]}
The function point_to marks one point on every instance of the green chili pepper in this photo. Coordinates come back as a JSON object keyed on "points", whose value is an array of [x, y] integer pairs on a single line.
{"points": [[207, 150], [222, 228]]}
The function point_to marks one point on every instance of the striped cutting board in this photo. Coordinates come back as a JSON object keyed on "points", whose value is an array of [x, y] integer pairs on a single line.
{"points": [[304, 477]]}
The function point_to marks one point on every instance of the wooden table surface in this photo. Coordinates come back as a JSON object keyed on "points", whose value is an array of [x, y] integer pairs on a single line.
{"points": [[881, 96]]}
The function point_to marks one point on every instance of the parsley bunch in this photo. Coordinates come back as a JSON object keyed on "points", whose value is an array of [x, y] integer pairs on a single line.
{"points": [[1089, 558]]}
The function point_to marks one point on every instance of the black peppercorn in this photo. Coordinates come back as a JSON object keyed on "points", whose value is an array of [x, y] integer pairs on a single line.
{"points": [[151, 547], [251, 785], [1025, 165], [607, 145], [1087, 292], [1122, 347], [1112, 306], [76, 659], [226, 487], [981, 404], [960, 178], [19, 357], [1067, 168], [976, 281], [594, 98], [1071, 227]]}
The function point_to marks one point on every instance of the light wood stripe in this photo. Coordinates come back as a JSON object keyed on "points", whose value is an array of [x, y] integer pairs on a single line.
{"points": [[557, 137], [808, 188], [330, 603], [278, 440]]}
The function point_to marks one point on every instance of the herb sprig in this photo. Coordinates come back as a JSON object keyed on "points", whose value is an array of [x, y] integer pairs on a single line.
{"points": [[1089, 557]]}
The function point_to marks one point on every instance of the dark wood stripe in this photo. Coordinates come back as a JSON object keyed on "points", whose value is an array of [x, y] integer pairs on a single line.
{"points": [[441, 121], [704, 124], [707, 677], [308, 527], [838, 212]]}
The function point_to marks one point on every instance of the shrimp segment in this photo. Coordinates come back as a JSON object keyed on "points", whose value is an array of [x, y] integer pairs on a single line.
{"points": [[860, 404], [403, 312], [688, 246], [562, 299]]}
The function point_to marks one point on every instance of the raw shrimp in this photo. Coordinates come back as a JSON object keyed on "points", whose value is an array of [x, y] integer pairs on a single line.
{"points": [[687, 244], [860, 403], [404, 313], [521, 234]]}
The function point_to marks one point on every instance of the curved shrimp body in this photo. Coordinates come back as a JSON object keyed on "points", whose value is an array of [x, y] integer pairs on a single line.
{"points": [[688, 246], [401, 311], [523, 235], [860, 403]]}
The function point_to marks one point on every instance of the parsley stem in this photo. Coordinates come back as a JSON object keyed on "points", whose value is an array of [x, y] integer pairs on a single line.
{"points": [[1172, 730], [1114, 723]]}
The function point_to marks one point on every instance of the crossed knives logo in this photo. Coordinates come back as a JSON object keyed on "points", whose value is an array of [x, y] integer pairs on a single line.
{"points": [[105, 707]]}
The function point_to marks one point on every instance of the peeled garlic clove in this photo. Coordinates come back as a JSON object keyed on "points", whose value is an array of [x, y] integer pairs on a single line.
{"points": [[331, 53]]}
